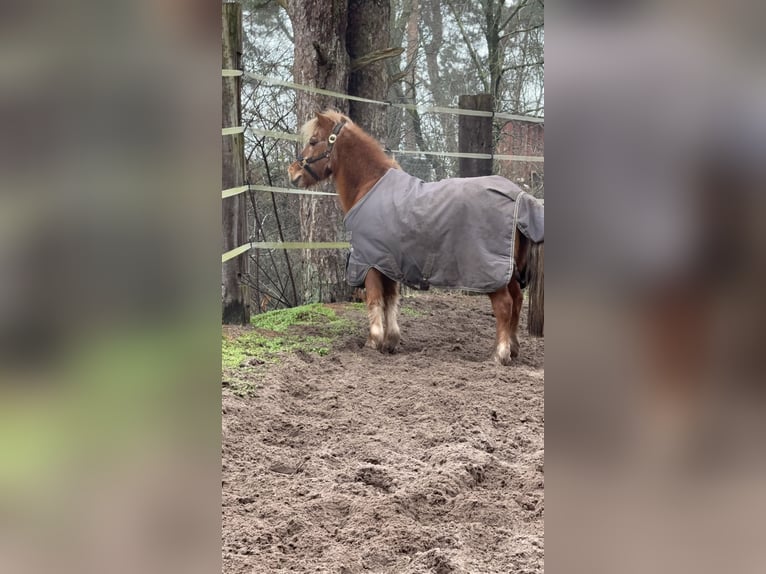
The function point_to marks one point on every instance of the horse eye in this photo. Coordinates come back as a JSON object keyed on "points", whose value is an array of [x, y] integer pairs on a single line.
{"points": [[312, 141]]}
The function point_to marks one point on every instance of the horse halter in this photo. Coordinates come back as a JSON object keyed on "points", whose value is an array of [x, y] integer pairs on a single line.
{"points": [[307, 161]]}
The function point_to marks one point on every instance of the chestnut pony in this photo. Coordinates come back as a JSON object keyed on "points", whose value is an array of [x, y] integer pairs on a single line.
{"points": [[335, 146]]}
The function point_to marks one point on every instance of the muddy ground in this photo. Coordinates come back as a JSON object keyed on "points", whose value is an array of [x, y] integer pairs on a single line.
{"points": [[426, 461]]}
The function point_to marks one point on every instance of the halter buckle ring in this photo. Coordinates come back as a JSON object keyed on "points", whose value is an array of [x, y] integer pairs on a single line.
{"points": [[332, 138]]}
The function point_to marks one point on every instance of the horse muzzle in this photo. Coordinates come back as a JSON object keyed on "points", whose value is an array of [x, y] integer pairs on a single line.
{"points": [[295, 174], [297, 181]]}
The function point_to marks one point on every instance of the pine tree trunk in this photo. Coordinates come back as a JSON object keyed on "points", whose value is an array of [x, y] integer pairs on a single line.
{"points": [[432, 20], [368, 33], [412, 137], [321, 60]]}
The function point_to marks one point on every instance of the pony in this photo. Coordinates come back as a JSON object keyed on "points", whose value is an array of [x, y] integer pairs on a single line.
{"points": [[335, 147]]}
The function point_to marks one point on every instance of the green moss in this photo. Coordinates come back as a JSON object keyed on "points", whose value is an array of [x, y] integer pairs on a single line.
{"points": [[309, 328], [281, 319]]}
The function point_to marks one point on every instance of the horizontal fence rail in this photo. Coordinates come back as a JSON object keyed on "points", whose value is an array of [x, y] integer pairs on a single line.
{"points": [[419, 108], [232, 130], [501, 157], [232, 191], [283, 245]]}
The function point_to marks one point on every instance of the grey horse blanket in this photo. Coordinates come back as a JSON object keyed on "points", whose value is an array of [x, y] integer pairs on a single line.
{"points": [[455, 233]]}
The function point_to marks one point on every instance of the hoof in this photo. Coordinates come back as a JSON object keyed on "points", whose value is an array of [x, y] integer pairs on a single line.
{"points": [[502, 354], [515, 347], [370, 344], [390, 343], [384, 346]]}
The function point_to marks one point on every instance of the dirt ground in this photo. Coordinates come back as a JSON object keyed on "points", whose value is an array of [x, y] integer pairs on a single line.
{"points": [[426, 461]]}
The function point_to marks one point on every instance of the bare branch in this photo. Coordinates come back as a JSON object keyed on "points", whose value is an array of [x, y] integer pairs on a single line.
{"points": [[521, 31], [525, 65], [469, 45], [521, 4]]}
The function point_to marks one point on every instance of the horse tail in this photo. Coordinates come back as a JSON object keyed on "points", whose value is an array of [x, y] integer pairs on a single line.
{"points": [[536, 277]]}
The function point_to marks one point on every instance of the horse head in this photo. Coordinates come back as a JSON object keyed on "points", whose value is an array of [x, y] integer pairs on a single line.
{"points": [[315, 161]]}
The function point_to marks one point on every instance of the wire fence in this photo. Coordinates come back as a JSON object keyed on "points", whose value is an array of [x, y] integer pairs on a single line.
{"points": [[232, 130], [501, 157]]}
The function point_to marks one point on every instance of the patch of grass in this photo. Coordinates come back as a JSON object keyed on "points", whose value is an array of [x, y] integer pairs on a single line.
{"points": [[309, 328], [411, 312], [242, 386], [231, 355], [281, 319]]}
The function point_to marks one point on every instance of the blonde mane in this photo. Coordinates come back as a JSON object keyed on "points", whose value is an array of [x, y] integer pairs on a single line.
{"points": [[307, 129]]}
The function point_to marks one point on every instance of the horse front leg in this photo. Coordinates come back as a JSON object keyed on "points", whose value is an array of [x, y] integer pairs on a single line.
{"points": [[376, 306], [391, 311], [502, 307]]}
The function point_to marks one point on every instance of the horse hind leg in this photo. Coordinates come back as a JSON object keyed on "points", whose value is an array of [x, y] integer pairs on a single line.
{"points": [[521, 254], [502, 306], [391, 311]]}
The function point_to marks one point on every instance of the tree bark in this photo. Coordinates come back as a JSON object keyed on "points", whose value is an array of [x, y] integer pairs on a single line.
{"points": [[321, 60], [432, 21], [413, 41], [368, 32], [405, 89], [475, 134], [397, 117]]}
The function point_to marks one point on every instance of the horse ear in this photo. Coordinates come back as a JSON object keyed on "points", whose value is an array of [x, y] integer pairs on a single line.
{"points": [[323, 120]]}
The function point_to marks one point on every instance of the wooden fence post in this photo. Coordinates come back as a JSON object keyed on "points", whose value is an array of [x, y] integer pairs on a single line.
{"points": [[235, 295], [475, 135]]}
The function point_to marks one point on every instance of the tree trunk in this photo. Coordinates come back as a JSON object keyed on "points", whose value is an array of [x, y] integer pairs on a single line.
{"points": [[235, 296], [492, 16], [405, 89], [321, 60], [475, 133], [397, 117], [432, 21], [368, 32], [413, 41]]}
